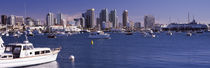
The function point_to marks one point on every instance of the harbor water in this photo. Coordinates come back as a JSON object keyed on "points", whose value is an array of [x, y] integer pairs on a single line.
{"points": [[126, 51]]}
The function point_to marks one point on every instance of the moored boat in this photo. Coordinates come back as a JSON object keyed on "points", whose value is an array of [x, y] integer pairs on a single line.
{"points": [[24, 54]]}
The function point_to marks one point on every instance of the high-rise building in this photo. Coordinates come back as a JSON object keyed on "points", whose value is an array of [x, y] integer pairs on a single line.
{"points": [[104, 16], [59, 18], [49, 19], [82, 22], [55, 21], [149, 21], [125, 18], [113, 18], [89, 16], [3, 19], [11, 20]]}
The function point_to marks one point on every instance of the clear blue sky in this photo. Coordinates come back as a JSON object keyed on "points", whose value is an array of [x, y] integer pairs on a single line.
{"points": [[162, 9]]}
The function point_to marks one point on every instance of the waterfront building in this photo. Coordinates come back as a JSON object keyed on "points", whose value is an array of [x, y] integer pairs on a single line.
{"points": [[104, 17], [125, 18], [11, 20], [37, 22], [64, 23], [50, 19], [82, 22], [137, 25], [3, 19], [77, 22], [59, 18], [89, 16], [113, 18], [19, 20], [29, 21], [149, 21]]}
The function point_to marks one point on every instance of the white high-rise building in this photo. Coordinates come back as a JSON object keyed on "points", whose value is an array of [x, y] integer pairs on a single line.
{"points": [[50, 19]]}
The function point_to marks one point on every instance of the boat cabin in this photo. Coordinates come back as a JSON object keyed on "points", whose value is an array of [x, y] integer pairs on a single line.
{"points": [[25, 49]]}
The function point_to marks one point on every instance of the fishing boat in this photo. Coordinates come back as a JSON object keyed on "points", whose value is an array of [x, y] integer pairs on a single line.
{"points": [[24, 54], [99, 35]]}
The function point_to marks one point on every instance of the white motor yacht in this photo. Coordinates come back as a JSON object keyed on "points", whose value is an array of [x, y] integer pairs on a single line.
{"points": [[24, 54], [99, 35]]}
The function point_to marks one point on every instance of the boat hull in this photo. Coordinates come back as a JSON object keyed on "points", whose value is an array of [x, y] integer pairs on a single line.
{"points": [[28, 61]]}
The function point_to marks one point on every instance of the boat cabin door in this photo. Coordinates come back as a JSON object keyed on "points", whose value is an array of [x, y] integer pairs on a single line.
{"points": [[16, 51]]}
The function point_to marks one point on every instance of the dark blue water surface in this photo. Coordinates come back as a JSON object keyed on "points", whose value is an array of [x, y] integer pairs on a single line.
{"points": [[127, 51]]}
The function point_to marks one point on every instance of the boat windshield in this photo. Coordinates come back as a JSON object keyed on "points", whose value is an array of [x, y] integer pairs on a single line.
{"points": [[27, 47]]}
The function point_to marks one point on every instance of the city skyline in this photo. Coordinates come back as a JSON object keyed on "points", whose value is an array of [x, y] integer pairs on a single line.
{"points": [[162, 10]]}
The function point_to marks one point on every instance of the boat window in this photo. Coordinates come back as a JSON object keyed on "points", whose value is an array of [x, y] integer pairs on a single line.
{"points": [[8, 49], [30, 53], [42, 52], [10, 56], [4, 57], [37, 53], [47, 51], [27, 47]]}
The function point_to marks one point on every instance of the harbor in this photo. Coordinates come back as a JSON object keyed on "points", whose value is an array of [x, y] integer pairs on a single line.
{"points": [[177, 50]]}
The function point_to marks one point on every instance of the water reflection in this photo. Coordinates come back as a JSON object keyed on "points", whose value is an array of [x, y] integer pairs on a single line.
{"points": [[53, 64]]}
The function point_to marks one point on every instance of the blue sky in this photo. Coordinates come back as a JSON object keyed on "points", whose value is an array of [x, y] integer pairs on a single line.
{"points": [[162, 9]]}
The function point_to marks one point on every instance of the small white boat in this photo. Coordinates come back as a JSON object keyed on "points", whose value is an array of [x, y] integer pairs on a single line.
{"points": [[170, 33], [24, 54], [99, 35], [7, 34], [153, 35], [189, 34]]}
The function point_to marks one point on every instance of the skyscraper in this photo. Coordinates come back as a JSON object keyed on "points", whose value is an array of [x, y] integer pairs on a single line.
{"points": [[125, 18], [11, 20], [149, 21], [3, 19], [89, 16], [59, 18], [49, 19], [113, 18], [104, 16]]}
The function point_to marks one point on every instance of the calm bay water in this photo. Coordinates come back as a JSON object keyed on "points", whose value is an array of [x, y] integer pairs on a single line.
{"points": [[127, 51]]}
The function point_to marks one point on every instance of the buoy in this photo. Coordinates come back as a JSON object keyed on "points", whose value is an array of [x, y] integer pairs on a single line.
{"points": [[72, 57], [92, 42]]}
